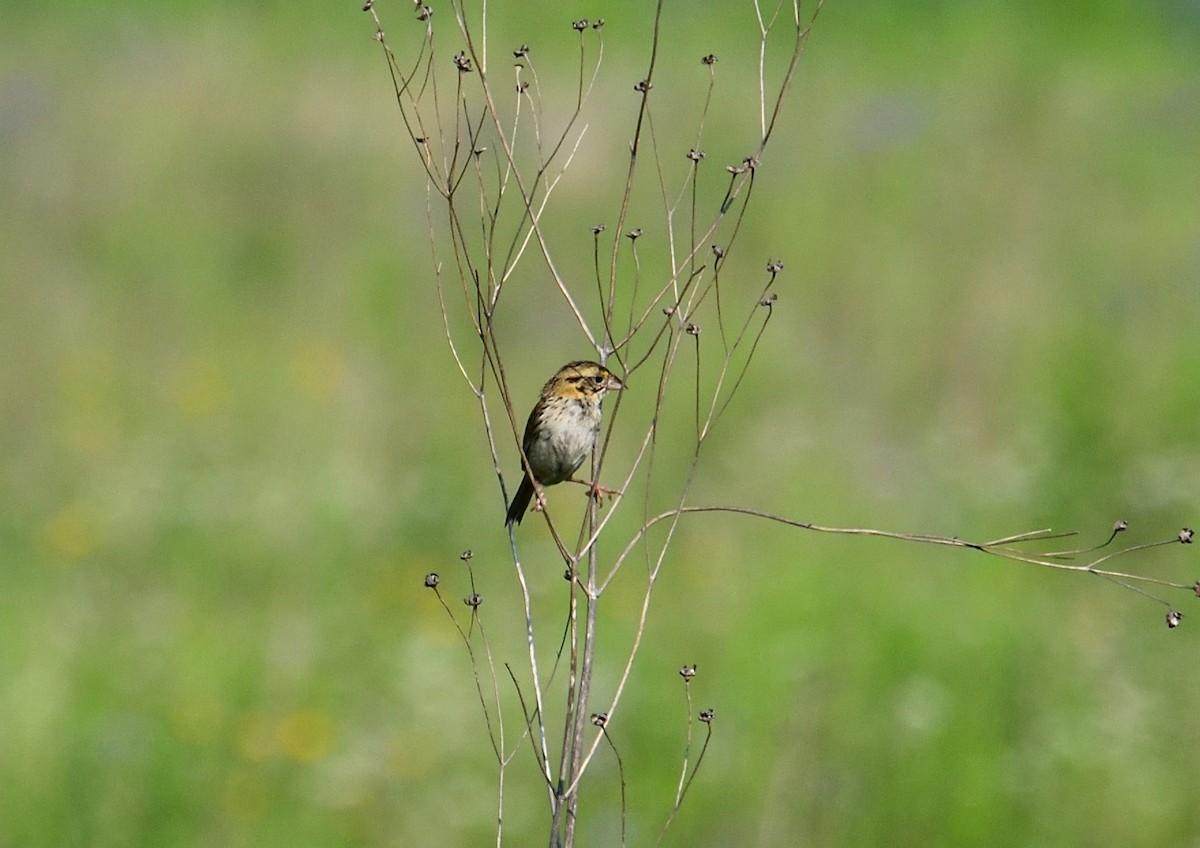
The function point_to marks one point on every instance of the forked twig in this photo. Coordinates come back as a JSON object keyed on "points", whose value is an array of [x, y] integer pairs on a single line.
{"points": [[643, 313]]}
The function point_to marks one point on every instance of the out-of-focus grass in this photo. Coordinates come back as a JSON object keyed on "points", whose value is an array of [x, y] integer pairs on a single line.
{"points": [[233, 443]]}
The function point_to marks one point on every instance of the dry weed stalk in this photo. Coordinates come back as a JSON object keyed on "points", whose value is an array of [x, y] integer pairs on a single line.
{"points": [[493, 166]]}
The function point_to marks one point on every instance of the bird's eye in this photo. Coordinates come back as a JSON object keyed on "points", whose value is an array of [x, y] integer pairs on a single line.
{"points": [[597, 379]]}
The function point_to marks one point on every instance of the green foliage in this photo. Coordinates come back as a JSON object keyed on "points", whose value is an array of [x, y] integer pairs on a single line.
{"points": [[233, 443]]}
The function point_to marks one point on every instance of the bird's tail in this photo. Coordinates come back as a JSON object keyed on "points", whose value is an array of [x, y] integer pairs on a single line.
{"points": [[520, 502]]}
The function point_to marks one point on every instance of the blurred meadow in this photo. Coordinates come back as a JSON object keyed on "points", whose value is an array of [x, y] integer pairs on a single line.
{"points": [[233, 441]]}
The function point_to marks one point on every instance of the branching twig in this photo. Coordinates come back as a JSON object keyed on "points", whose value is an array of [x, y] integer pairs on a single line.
{"points": [[642, 313]]}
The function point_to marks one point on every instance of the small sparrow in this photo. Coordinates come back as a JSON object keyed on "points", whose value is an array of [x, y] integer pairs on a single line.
{"points": [[562, 428]]}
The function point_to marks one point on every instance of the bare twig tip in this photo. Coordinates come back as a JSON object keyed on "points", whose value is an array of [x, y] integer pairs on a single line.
{"points": [[597, 229], [718, 251], [692, 329], [1120, 526], [769, 300], [521, 52], [775, 266], [425, 14], [1196, 588], [634, 234], [368, 5], [580, 25], [710, 59], [687, 672], [643, 86], [473, 600], [695, 155], [466, 555], [707, 716], [432, 579], [1174, 618], [599, 23], [1186, 535], [462, 63], [600, 719]]}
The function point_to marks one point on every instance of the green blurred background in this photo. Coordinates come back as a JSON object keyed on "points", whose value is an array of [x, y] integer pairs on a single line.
{"points": [[232, 439]]}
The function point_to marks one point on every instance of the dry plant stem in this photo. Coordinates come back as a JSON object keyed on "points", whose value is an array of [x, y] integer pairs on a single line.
{"points": [[582, 657], [566, 811], [458, 150], [521, 236], [655, 566], [527, 605], [485, 303], [999, 548], [704, 427], [691, 185], [668, 327], [686, 266], [687, 697], [652, 573], [802, 31], [683, 305], [714, 414], [449, 175], [496, 729], [623, 211], [506, 237], [686, 775], [621, 780], [527, 191], [543, 766]]}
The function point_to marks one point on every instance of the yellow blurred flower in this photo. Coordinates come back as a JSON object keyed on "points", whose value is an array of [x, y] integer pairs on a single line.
{"points": [[306, 735], [199, 388], [317, 369], [73, 533]]}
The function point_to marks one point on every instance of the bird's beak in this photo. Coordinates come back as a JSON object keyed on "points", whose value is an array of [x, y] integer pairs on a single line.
{"points": [[614, 384]]}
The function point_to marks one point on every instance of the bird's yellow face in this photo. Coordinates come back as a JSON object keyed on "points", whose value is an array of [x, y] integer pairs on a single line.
{"points": [[582, 381]]}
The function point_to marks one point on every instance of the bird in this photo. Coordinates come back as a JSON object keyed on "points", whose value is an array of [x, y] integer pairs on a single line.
{"points": [[562, 429]]}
